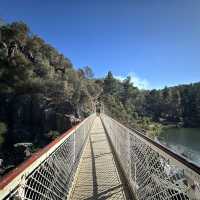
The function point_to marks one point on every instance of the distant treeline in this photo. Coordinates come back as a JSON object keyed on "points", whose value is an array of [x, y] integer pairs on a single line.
{"points": [[179, 104]]}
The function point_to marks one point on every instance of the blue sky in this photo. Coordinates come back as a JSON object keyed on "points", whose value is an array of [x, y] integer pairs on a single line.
{"points": [[157, 42]]}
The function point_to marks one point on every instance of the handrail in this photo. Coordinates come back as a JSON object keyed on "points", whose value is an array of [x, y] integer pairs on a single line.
{"points": [[172, 153], [7, 178], [166, 150], [152, 170], [19, 175]]}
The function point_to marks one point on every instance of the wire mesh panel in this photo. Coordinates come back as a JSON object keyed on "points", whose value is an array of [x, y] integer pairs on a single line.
{"points": [[152, 171], [52, 177]]}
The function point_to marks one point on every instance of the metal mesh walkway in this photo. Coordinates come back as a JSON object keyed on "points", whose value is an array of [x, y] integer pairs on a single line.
{"points": [[97, 176], [151, 171]]}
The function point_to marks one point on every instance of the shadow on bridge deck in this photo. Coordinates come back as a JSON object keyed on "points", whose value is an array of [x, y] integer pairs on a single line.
{"points": [[98, 175]]}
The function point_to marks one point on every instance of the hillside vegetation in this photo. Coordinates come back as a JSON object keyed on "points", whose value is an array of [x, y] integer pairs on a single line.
{"points": [[179, 105], [40, 89]]}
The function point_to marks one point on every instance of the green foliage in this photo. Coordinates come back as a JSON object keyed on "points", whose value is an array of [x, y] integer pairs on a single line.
{"points": [[15, 72], [148, 109], [17, 31], [52, 135], [110, 84], [37, 67]]}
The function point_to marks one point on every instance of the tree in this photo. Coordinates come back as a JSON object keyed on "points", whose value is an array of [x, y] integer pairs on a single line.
{"points": [[110, 84], [129, 91], [17, 31], [86, 72], [2, 23]]}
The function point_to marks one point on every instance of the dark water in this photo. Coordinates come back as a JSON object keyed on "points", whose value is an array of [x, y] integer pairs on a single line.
{"points": [[185, 141]]}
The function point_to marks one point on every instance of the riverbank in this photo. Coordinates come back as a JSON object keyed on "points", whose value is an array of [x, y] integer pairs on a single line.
{"points": [[156, 129], [184, 141]]}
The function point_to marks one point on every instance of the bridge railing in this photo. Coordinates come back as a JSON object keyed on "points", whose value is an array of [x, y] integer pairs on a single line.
{"points": [[49, 173], [152, 171]]}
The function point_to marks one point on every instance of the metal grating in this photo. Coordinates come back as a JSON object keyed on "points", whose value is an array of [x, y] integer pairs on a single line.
{"points": [[153, 172], [98, 176], [52, 178]]}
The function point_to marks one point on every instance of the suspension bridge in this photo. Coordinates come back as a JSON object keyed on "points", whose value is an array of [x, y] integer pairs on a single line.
{"points": [[102, 159]]}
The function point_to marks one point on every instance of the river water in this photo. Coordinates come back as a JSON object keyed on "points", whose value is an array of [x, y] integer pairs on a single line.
{"points": [[185, 141]]}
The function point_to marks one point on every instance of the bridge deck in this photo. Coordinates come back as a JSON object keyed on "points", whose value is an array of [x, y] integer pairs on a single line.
{"points": [[98, 175]]}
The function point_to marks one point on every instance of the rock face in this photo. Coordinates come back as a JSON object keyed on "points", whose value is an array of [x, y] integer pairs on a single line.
{"points": [[62, 123], [30, 117], [21, 118], [3, 50], [38, 106]]}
